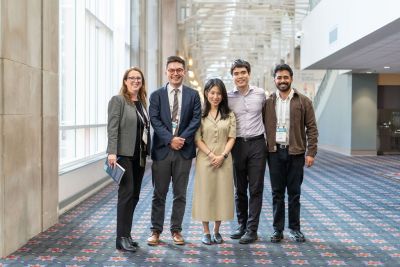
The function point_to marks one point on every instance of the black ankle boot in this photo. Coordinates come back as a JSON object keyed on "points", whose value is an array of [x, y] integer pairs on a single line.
{"points": [[122, 243], [133, 243]]}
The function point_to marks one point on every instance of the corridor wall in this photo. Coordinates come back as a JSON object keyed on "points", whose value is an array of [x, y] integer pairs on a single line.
{"points": [[28, 120]]}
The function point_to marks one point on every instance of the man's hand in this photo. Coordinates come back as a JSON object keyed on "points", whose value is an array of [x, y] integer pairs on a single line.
{"points": [[309, 161], [177, 143]]}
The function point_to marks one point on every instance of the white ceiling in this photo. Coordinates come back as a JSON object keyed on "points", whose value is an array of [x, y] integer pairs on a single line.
{"points": [[370, 54], [216, 32]]}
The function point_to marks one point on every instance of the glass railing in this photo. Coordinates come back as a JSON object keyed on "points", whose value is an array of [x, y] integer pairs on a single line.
{"points": [[314, 3], [388, 131], [322, 88]]}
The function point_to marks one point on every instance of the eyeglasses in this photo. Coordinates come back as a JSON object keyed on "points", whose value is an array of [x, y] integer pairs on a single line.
{"points": [[178, 71], [134, 78]]}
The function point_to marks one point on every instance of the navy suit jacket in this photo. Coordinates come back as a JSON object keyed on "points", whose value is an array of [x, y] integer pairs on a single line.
{"points": [[160, 118]]}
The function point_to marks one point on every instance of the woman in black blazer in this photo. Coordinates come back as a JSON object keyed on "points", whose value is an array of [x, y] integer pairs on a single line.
{"points": [[128, 143]]}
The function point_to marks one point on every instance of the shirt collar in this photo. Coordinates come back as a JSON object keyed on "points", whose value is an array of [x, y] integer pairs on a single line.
{"points": [[236, 90], [290, 96], [170, 88]]}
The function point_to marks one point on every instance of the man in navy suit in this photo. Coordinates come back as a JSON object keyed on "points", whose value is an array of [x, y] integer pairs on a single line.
{"points": [[175, 114]]}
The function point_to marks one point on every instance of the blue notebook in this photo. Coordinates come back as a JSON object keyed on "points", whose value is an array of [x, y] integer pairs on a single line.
{"points": [[115, 173]]}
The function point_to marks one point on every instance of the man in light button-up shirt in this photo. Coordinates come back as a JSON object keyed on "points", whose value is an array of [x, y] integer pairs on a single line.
{"points": [[292, 137], [249, 152]]}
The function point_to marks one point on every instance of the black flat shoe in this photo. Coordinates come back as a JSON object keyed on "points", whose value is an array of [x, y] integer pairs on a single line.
{"points": [[206, 239], [122, 243], [249, 237], [238, 233], [217, 238], [133, 243], [277, 236]]}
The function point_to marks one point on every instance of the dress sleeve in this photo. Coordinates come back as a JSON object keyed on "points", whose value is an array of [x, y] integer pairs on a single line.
{"points": [[199, 132], [232, 125]]}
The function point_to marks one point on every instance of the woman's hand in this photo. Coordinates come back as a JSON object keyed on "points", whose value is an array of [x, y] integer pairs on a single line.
{"points": [[217, 161], [112, 160]]}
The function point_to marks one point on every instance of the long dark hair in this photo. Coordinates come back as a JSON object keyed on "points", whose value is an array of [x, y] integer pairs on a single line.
{"points": [[223, 107]]}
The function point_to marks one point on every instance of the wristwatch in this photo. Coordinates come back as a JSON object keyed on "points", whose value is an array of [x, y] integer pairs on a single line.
{"points": [[225, 155]]}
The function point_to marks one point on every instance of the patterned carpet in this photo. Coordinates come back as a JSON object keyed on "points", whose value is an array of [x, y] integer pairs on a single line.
{"points": [[350, 216]]}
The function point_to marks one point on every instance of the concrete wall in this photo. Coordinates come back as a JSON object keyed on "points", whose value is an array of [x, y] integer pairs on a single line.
{"points": [[353, 20], [168, 33], [348, 123], [28, 119]]}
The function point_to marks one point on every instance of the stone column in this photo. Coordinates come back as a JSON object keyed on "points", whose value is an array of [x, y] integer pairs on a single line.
{"points": [[28, 120], [169, 32]]}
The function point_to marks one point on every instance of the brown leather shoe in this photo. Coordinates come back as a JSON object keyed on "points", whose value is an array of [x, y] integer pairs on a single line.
{"points": [[177, 238], [154, 239]]}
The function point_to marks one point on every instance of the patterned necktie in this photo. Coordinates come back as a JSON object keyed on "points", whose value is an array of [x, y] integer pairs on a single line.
{"points": [[175, 106], [174, 117]]}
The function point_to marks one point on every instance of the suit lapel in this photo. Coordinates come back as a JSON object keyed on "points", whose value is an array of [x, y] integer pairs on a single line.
{"points": [[166, 111], [185, 99]]}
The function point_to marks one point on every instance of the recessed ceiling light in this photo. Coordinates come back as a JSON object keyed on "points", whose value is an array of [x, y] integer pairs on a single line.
{"points": [[386, 67], [369, 72]]}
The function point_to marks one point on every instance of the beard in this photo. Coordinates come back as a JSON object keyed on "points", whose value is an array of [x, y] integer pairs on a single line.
{"points": [[283, 87]]}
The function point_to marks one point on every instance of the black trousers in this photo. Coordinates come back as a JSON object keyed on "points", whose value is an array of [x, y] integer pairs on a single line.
{"points": [[286, 172], [249, 161], [128, 193]]}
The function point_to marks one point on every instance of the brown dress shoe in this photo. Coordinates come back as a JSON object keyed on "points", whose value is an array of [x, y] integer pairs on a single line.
{"points": [[177, 238], [154, 239]]}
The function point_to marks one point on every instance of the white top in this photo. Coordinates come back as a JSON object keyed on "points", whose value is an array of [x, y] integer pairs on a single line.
{"points": [[282, 109]]}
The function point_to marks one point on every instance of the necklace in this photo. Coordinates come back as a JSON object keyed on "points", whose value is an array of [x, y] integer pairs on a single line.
{"points": [[214, 114]]}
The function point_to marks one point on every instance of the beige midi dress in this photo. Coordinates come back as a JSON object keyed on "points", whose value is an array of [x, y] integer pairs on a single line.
{"points": [[213, 196]]}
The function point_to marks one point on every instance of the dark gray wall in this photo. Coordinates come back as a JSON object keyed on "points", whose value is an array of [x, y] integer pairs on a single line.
{"points": [[364, 113]]}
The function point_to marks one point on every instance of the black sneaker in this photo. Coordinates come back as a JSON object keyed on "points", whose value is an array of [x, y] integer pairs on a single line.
{"points": [[297, 236], [277, 236]]}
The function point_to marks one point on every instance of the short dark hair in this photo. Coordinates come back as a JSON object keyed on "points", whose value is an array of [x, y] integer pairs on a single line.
{"points": [[281, 67], [171, 59], [240, 63]]}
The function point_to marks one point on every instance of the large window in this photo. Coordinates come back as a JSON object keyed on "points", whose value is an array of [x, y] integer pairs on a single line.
{"points": [[93, 57]]}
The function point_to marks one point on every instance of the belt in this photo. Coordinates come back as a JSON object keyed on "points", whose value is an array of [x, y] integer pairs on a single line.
{"points": [[280, 146], [251, 138]]}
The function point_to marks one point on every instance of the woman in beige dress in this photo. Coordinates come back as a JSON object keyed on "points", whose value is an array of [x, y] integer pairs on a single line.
{"points": [[213, 186]]}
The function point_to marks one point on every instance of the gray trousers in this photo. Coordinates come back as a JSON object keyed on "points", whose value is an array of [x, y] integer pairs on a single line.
{"points": [[173, 168]]}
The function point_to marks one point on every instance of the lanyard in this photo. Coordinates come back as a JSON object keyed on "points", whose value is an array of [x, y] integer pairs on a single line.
{"points": [[145, 122]]}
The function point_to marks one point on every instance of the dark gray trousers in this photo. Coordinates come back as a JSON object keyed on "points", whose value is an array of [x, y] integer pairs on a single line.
{"points": [[173, 168]]}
